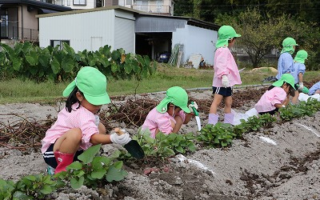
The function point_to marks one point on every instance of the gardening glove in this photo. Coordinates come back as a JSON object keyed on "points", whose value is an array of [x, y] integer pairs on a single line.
{"points": [[122, 139], [193, 105], [225, 81], [300, 87]]}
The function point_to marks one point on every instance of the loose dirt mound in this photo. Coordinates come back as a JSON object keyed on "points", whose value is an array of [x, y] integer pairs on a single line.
{"points": [[277, 163]]}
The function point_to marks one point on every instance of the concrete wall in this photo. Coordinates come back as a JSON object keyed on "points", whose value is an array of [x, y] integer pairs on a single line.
{"points": [[195, 40]]}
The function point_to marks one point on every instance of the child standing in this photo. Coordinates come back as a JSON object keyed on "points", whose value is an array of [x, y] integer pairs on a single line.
{"points": [[78, 126], [276, 96], [285, 62], [169, 115], [315, 89], [226, 74], [298, 71]]}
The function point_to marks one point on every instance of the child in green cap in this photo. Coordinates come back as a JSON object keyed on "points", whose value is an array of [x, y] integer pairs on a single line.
{"points": [[226, 74], [170, 114], [277, 95], [298, 71], [285, 62], [78, 126]]}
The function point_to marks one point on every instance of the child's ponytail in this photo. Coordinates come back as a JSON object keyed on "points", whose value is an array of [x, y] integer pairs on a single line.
{"points": [[72, 99]]}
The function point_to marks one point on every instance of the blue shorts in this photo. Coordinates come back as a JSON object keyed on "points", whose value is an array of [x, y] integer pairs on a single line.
{"points": [[49, 158], [223, 91]]}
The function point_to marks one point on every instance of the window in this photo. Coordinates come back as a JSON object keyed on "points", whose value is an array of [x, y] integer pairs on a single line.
{"points": [[129, 2], [80, 2], [55, 43]]}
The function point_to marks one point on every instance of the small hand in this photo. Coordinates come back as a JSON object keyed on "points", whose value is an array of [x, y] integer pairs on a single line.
{"points": [[121, 137], [300, 86], [193, 105], [225, 81]]}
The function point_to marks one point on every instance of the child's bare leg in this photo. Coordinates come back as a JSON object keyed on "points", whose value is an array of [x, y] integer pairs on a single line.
{"points": [[317, 92], [68, 142], [228, 104], [213, 116], [217, 98], [295, 98], [178, 124], [228, 116]]}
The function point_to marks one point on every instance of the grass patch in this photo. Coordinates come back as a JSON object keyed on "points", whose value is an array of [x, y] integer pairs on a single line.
{"points": [[14, 91]]}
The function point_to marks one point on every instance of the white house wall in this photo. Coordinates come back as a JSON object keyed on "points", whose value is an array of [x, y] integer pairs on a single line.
{"points": [[124, 31], [195, 40], [90, 30], [80, 29]]}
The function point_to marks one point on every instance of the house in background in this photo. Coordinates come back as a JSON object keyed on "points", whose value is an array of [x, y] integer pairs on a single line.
{"points": [[134, 31], [18, 20], [163, 7]]}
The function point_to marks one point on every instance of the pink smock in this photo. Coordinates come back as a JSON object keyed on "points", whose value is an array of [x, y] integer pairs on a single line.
{"points": [[161, 121], [78, 118], [224, 64], [271, 97]]}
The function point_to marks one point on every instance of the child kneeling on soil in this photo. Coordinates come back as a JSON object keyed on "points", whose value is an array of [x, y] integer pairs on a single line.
{"points": [[78, 126], [169, 115], [315, 89], [277, 95]]}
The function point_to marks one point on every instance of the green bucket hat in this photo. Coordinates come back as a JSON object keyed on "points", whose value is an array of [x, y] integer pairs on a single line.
{"points": [[301, 56], [225, 33], [288, 44], [177, 96], [92, 83], [288, 78]]}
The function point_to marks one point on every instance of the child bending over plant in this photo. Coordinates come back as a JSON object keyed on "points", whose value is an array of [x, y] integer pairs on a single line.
{"points": [[315, 89], [277, 95], [171, 113], [78, 126]]}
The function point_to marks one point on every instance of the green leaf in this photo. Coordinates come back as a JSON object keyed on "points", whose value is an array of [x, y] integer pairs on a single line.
{"points": [[115, 174], [46, 189], [76, 182], [98, 174], [75, 166], [114, 67], [88, 155], [55, 66], [18, 195], [16, 63]]}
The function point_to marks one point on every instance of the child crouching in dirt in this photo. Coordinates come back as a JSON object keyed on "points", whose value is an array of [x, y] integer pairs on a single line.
{"points": [[277, 95], [315, 89], [78, 126], [169, 115]]}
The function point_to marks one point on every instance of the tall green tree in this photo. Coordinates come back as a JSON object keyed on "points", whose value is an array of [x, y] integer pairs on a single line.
{"points": [[262, 34]]}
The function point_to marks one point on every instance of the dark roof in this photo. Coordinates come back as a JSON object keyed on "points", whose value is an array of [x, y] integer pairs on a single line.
{"points": [[38, 4], [190, 21]]}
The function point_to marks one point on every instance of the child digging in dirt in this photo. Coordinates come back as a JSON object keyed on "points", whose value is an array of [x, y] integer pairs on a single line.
{"points": [[285, 62], [169, 115], [78, 126], [298, 71], [277, 95], [226, 75]]}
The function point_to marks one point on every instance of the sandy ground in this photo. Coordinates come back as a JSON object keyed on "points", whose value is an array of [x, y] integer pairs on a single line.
{"points": [[280, 163]]}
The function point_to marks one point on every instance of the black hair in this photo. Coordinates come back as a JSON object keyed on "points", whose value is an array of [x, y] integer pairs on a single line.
{"points": [[291, 90], [72, 99]]}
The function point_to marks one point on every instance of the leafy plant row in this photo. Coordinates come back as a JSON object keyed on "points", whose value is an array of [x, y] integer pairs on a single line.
{"points": [[221, 134], [27, 61], [94, 171]]}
